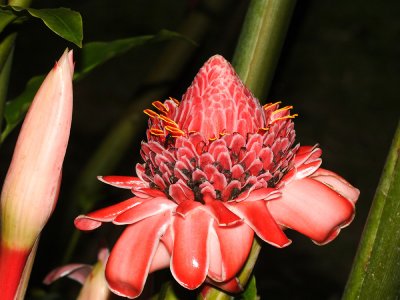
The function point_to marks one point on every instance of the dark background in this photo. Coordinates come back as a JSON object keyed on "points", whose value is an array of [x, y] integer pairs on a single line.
{"points": [[339, 69]]}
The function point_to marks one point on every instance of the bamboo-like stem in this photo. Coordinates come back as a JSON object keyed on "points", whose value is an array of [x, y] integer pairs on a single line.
{"points": [[376, 271], [260, 43]]}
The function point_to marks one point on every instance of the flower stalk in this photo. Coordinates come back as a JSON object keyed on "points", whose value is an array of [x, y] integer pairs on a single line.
{"points": [[375, 271]]}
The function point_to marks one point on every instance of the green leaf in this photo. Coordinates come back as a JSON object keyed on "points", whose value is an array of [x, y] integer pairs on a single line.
{"points": [[95, 54], [62, 21], [375, 273], [251, 290], [6, 17]]}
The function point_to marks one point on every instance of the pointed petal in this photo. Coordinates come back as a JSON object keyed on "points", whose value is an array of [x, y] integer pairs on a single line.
{"points": [[258, 217], [234, 245], [124, 182], [94, 219], [307, 154], [337, 183], [77, 272], [130, 260], [187, 207], [313, 209], [302, 171], [161, 259], [147, 192], [231, 286], [222, 214], [189, 263], [180, 192], [146, 209], [256, 194]]}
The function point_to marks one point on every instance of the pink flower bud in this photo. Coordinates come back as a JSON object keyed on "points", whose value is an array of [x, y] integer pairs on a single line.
{"points": [[31, 187]]}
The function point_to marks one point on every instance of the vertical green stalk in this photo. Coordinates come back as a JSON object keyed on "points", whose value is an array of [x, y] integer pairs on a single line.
{"points": [[376, 268], [260, 43], [255, 60], [6, 57]]}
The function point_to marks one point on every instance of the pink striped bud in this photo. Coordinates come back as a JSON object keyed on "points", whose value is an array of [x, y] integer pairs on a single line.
{"points": [[31, 187]]}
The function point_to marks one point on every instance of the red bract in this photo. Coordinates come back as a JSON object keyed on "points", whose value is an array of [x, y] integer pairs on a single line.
{"points": [[218, 167]]}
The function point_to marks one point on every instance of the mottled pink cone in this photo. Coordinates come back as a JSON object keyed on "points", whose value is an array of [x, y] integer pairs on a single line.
{"points": [[31, 187], [218, 168]]}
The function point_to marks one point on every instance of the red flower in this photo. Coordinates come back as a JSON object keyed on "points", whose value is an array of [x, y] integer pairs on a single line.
{"points": [[218, 167]]}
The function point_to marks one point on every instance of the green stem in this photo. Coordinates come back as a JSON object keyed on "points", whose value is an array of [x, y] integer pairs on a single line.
{"points": [[6, 57], [376, 272], [260, 43], [255, 60]]}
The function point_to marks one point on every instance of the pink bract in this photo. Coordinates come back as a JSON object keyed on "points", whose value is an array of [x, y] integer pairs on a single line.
{"points": [[218, 168]]}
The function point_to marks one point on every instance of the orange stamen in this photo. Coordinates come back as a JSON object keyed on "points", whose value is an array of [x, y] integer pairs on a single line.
{"points": [[282, 109], [174, 130], [157, 132], [151, 113], [176, 101], [285, 117], [168, 120], [160, 106], [266, 106]]}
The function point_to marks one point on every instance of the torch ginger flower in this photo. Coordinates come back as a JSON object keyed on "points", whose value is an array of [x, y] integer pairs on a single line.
{"points": [[218, 168], [31, 186]]}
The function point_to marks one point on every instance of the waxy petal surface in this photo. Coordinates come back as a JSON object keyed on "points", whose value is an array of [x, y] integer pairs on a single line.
{"points": [[190, 257], [130, 259], [312, 208]]}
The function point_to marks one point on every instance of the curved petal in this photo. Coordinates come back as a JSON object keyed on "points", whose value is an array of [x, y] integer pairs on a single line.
{"points": [[124, 182], [147, 192], [130, 259], [258, 217], [231, 286], [161, 259], [77, 272], [222, 214], [94, 219], [148, 208], [256, 194], [306, 154], [234, 246], [302, 171], [189, 263], [337, 183], [313, 209]]}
